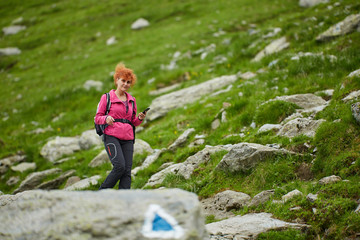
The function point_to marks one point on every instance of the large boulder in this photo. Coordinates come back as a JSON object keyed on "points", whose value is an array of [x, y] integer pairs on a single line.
{"points": [[106, 214], [244, 156], [305, 101], [163, 104], [348, 25], [248, 226]]}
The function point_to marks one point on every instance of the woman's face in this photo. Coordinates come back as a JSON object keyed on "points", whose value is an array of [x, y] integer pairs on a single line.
{"points": [[123, 84]]}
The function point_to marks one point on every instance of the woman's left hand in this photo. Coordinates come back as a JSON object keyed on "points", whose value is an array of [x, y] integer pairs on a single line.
{"points": [[141, 116]]}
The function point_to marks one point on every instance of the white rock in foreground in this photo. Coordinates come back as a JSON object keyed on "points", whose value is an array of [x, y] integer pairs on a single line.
{"points": [[106, 214], [249, 226], [140, 23]]}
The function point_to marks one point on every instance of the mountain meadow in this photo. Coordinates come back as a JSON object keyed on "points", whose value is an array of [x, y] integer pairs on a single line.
{"points": [[245, 96]]}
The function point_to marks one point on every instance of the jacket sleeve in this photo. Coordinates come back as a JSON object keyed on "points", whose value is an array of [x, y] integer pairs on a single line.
{"points": [[136, 121], [100, 116]]}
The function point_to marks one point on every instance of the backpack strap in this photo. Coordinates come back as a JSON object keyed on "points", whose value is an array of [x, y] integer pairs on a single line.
{"points": [[108, 103]]}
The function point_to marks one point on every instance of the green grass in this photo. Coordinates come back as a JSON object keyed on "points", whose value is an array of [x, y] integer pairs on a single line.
{"points": [[65, 44]]}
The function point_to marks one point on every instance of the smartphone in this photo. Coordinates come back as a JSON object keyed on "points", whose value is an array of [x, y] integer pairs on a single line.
{"points": [[147, 109]]}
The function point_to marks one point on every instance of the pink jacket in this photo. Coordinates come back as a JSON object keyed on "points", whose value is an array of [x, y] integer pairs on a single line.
{"points": [[122, 131]]}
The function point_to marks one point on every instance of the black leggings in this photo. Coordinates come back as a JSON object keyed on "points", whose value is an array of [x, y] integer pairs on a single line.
{"points": [[120, 153]]}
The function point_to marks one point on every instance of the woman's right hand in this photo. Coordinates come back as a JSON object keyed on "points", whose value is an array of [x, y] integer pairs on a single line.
{"points": [[110, 120]]}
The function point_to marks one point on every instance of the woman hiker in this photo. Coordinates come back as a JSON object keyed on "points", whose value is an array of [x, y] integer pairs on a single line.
{"points": [[119, 135]]}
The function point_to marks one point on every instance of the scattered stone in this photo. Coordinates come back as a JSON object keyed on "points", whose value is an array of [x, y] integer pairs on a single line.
{"points": [[269, 127], [13, 29], [355, 73], [228, 200], [72, 180], [312, 197], [148, 160], [83, 184], [111, 41], [222, 91], [23, 167], [291, 195], [197, 142], [161, 105], [13, 180], [139, 24], [311, 3], [35, 179], [355, 95], [9, 51], [357, 210], [261, 198], [182, 139], [7, 162], [186, 168], [248, 226], [142, 147], [273, 47], [98, 215], [332, 58], [164, 90], [41, 130], [305, 101], [215, 124], [98, 85], [246, 76], [60, 146], [300, 126], [56, 183], [295, 209], [329, 180], [100, 159], [348, 25], [355, 109], [244, 156]]}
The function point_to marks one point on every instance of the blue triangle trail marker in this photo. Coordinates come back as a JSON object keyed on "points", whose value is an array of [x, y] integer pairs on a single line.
{"points": [[159, 224]]}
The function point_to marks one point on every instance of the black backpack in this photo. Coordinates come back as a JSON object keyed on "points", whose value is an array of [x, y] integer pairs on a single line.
{"points": [[100, 128]]}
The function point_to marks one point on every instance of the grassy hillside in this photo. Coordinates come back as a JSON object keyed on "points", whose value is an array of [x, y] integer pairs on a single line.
{"points": [[64, 45]]}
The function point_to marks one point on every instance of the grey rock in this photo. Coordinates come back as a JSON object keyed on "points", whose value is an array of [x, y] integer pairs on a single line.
{"points": [[311, 3], [312, 197], [249, 226], [269, 127], [228, 200], [329, 180], [139, 24], [148, 161], [72, 180], [355, 73], [23, 167], [100, 159], [107, 214], [357, 210], [300, 126], [97, 85], [10, 51], [161, 105], [261, 198], [181, 139], [291, 195], [215, 124], [60, 146], [84, 183], [244, 156], [13, 29], [7, 162], [355, 109], [35, 179], [141, 147], [89, 139], [56, 183], [13, 180], [305, 101], [348, 25], [275, 46], [164, 90], [355, 95], [186, 168]]}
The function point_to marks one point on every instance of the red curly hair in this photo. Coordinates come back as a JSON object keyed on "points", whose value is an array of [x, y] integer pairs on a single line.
{"points": [[124, 73]]}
